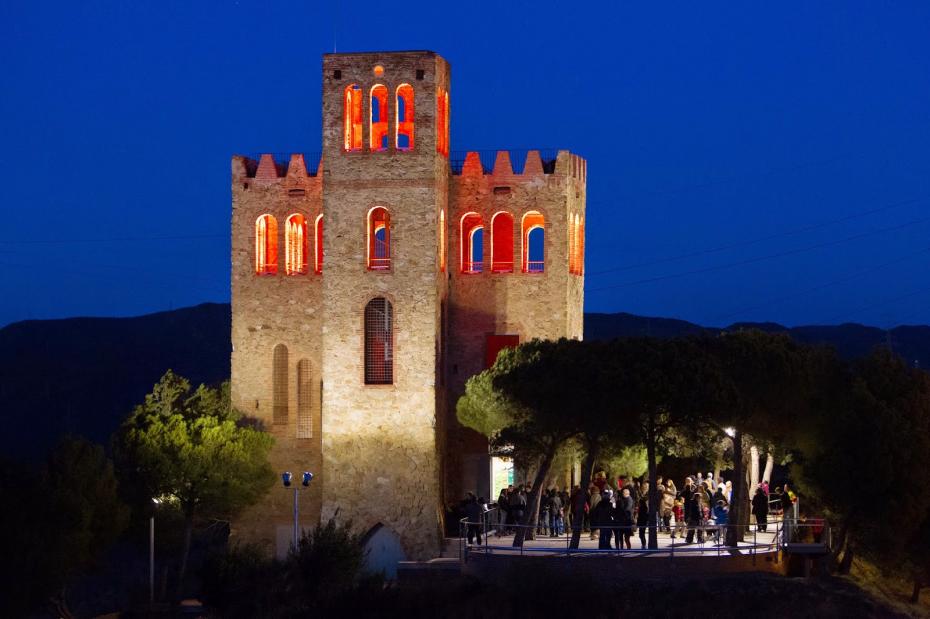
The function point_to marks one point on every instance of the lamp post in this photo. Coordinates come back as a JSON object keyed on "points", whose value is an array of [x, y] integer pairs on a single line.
{"points": [[286, 479], [155, 502]]}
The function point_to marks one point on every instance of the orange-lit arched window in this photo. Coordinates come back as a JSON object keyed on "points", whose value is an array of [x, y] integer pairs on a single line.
{"points": [[575, 241], [533, 233], [378, 123], [379, 342], [379, 239], [472, 243], [442, 122], [579, 265], [296, 245], [502, 243], [442, 241], [405, 113], [266, 245], [319, 244], [353, 117]]}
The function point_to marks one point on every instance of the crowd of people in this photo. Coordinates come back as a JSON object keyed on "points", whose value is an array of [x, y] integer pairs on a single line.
{"points": [[613, 513]]}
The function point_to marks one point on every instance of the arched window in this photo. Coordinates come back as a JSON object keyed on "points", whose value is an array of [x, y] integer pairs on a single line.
{"points": [[304, 393], [379, 239], [296, 245], [405, 114], [442, 122], [534, 242], [266, 245], [579, 265], [472, 243], [442, 241], [353, 117], [379, 342], [571, 243], [319, 244], [279, 385], [502, 243], [378, 127]]}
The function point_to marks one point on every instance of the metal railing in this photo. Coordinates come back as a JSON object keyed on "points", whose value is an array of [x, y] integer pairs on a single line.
{"points": [[705, 540]]}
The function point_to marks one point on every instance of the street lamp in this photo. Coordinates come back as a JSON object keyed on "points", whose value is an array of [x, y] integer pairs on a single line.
{"points": [[287, 479], [156, 503]]}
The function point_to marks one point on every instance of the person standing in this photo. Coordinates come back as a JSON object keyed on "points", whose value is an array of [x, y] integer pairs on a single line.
{"points": [[474, 515], [602, 519], [694, 516], [760, 509], [555, 514], [624, 519], [642, 518]]}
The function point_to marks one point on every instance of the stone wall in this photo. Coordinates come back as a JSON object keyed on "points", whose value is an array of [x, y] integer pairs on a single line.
{"points": [[381, 456], [269, 310]]}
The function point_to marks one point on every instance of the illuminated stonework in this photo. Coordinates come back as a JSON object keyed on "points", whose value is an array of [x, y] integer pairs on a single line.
{"points": [[433, 262]]}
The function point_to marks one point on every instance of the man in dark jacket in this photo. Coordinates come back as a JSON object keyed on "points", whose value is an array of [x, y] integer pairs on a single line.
{"points": [[474, 512], [760, 509], [624, 518], [602, 517], [642, 518]]}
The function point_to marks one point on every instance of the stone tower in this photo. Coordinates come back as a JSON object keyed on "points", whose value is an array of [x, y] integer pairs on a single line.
{"points": [[369, 284]]}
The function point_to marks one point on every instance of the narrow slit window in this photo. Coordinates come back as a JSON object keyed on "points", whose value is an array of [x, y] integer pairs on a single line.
{"points": [[404, 112], [379, 239], [279, 385], [378, 128], [266, 245], [442, 241], [534, 242], [379, 342], [319, 245], [442, 122], [502, 243], [296, 245], [353, 117], [472, 243]]}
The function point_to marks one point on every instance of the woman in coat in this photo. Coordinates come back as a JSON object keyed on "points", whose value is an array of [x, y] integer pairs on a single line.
{"points": [[642, 518], [602, 518], [624, 518], [760, 509]]}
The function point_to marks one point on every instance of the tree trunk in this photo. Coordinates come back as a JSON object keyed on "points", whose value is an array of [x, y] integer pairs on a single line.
{"points": [[753, 467], [587, 470], [915, 595], [718, 465], [185, 550], [531, 518], [737, 499], [846, 563], [769, 465], [840, 542], [653, 489]]}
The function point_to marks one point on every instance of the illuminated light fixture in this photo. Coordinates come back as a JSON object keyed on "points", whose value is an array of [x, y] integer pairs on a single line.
{"points": [[731, 432], [307, 478], [286, 478], [379, 70]]}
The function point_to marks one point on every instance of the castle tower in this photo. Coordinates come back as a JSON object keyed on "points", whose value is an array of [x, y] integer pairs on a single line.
{"points": [[385, 182], [368, 284]]}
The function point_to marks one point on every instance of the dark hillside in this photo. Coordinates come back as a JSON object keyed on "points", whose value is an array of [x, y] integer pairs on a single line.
{"points": [[83, 375]]}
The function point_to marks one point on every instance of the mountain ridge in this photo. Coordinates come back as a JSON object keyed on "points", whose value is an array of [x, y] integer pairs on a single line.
{"points": [[84, 375]]}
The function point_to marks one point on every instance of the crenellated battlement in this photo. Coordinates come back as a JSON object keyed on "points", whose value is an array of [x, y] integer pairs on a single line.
{"points": [[272, 166], [520, 162]]}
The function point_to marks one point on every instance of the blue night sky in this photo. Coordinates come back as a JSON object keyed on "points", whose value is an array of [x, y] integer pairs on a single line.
{"points": [[765, 162]]}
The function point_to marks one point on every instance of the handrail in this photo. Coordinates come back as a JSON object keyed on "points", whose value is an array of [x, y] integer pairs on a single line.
{"points": [[710, 540]]}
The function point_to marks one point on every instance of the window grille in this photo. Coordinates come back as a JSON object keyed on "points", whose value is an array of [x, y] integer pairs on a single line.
{"points": [[304, 406], [279, 385], [379, 342]]}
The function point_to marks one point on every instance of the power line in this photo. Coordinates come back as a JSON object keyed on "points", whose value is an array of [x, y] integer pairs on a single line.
{"points": [[760, 258], [117, 239], [777, 235], [850, 276]]}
